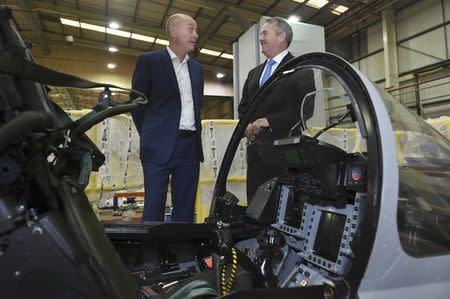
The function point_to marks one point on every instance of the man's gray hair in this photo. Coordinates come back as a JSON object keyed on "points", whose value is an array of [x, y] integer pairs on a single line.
{"points": [[282, 26]]}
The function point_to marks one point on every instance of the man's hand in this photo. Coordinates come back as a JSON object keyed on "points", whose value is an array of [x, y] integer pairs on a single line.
{"points": [[254, 128], [260, 123], [250, 131]]}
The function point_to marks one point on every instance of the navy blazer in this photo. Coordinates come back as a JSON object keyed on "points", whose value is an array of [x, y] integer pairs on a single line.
{"points": [[158, 121]]}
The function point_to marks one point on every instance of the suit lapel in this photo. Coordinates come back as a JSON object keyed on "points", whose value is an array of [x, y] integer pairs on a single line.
{"points": [[286, 58], [193, 77], [258, 73], [260, 69], [168, 65]]}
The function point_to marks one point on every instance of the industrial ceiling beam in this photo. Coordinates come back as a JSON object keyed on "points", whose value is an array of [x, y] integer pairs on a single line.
{"points": [[356, 17], [138, 2], [272, 6], [197, 14], [165, 14], [321, 10], [218, 5], [35, 24], [243, 21], [221, 18], [62, 10], [57, 41], [215, 25]]}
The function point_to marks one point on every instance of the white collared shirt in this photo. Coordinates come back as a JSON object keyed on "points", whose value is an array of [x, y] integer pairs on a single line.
{"points": [[187, 119], [277, 60]]}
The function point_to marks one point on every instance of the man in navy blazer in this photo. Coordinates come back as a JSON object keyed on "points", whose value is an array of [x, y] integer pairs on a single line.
{"points": [[169, 125]]}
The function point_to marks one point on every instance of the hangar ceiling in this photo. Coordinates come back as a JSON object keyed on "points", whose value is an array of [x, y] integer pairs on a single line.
{"points": [[55, 23]]}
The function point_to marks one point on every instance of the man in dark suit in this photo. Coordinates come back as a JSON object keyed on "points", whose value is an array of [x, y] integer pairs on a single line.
{"points": [[279, 111], [169, 124]]}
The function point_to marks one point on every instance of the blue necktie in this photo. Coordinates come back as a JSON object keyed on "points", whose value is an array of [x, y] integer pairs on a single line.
{"points": [[267, 72]]}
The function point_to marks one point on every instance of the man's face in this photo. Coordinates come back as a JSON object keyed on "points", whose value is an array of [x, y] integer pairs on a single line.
{"points": [[185, 34], [271, 43]]}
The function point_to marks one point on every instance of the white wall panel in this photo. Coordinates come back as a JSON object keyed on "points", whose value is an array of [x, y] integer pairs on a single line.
{"points": [[246, 56], [447, 32], [436, 89], [418, 17], [373, 66], [423, 50], [447, 10], [406, 95], [374, 38]]}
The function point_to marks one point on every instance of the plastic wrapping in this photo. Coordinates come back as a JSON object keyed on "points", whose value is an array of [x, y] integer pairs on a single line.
{"points": [[215, 137], [118, 139], [441, 124]]}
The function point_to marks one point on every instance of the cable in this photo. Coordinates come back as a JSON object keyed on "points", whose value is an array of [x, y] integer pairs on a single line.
{"points": [[302, 119], [224, 284], [332, 125]]}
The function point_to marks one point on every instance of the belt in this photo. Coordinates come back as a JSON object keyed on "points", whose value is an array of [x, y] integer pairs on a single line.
{"points": [[185, 133]]}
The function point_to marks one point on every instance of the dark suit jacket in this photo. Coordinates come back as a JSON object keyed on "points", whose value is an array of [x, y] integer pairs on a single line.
{"points": [[158, 121], [281, 106]]}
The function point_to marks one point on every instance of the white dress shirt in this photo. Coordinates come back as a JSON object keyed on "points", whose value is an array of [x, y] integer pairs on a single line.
{"points": [[277, 60], [187, 119]]}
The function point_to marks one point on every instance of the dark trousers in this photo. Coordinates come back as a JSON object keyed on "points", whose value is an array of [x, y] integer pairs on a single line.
{"points": [[262, 165], [183, 167]]}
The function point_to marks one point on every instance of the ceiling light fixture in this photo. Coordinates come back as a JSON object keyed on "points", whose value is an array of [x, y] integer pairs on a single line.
{"points": [[338, 9], [114, 25], [113, 49], [162, 42], [317, 3], [294, 19], [220, 75], [111, 65], [93, 27], [116, 32], [227, 56], [69, 22], [210, 52], [143, 38], [135, 36]]}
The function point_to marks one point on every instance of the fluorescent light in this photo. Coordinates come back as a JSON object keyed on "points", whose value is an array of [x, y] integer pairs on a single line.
{"points": [[70, 22], [111, 65], [339, 9], [135, 36], [209, 52], [220, 75], [294, 19], [317, 3], [69, 39], [92, 27], [113, 49], [162, 42], [141, 37], [227, 56], [118, 32], [299, 1], [114, 25]]}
